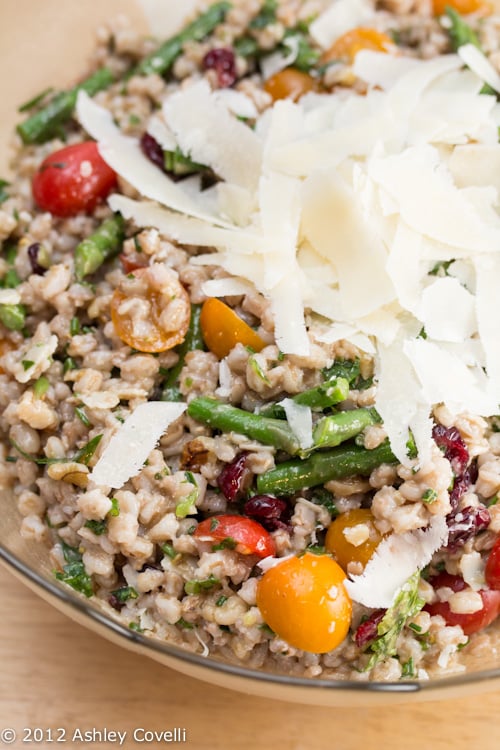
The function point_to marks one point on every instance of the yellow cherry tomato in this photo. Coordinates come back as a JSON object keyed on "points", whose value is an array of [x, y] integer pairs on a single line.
{"points": [[289, 84], [347, 46], [222, 329], [303, 599], [150, 309], [463, 7], [341, 537]]}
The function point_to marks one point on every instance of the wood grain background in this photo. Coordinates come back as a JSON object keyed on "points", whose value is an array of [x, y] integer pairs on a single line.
{"points": [[56, 674]]}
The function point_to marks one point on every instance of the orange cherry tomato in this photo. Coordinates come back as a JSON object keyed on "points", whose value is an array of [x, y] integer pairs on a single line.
{"points": [[237, 532], [289, 84], [463, 7], [344, 550], [303, 599], [222, 329], [347, 46], [73, 179], [150, 309]]}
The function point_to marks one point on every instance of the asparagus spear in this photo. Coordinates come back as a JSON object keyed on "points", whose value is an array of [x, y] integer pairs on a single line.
{"points": [[321, 467], [227, 418], [193, 340], [335, 429], [327, 394], [99, 247], [13, 316], [46, 123]]}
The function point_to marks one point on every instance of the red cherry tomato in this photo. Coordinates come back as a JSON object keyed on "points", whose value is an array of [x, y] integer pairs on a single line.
{"points": [[73, 179], [492, 571], [237, 532], [470, 623], [133, 262]]}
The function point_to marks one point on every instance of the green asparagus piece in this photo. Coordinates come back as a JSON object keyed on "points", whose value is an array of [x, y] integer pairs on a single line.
{"points": [[46, 123], [99, 247], [327, 394], [13, 316], [227, 418], [164, 57], [321, 467], [337, 428], [460, 32], [193, 340], [179, 164]]}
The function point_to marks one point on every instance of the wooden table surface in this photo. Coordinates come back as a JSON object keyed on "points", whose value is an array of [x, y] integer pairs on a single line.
{"points": [[56, 674]]}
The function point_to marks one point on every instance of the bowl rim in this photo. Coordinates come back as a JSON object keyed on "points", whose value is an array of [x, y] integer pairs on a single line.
{"points": [[78, 604]]}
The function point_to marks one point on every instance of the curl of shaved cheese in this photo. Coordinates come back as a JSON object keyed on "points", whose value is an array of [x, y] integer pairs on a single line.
{"points": [[226, 287], [341, 16], [438, 299], [299, 417], [396, 558], [272, 64], [129, 447], [270, 562], [9, 297], [380, 69], [209, 134], [237, 102], [472, 567], [157, 128], [480, 65]]}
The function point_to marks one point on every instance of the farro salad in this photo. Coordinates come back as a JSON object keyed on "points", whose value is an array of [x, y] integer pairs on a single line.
{"points": [[250, 368]]}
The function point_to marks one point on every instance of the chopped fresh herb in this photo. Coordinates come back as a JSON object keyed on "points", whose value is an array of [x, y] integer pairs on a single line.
{"points": [[407, 604], [168, 549], [74, 327], [186, 506], [316, 549], [134, 119], [191, 530], [11, 279], [492, 501], [441, 268], [266, 16], [69, 364], [41, 387], [408, 668], [80, 413], [350, 369], [135, 627], [10, 252], [321, 496], [115, 508], [246, 46], [227, 543], [422, 334], [125, 593], [84, 455], [429, 496], [307, 56], [214, 522], [197, 587], [97, 527], [257, 369], [463, 645], [179, 164], [38, 99], [460, 32], [13, 317], [182, 623], [3, 193], [281, 356], [188, 382], [265, 627], [27, 364], [71, 554], [75, 575], [415, 627], [221, 600], [163, 371], [11, 459]]}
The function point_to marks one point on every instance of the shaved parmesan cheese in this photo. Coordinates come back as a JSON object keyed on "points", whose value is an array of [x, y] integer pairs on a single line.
{"points": [[341, 16], [439, 299], [225, 379], [237, 102], [130, 446], [9, 297], [226, 287], [272, 64], [299, 418], [480, 65], [380, 69], [396, 558], [270, 562], [158, 129], [476, 164], [209, 134], [472, 566]]}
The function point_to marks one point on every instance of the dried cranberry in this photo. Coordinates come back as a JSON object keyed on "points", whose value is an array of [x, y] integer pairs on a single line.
{"points": [[272, 512], [464, 524], [33, 252], [368, 630], [115, 603], [221, 60], [462, 484], [455, 450], [152, 149], [235, 478]]}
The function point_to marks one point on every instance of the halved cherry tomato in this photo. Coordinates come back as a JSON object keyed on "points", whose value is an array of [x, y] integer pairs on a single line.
{"points": [[344, 550], [462, 6], [470, 623], [492, 571], [73, 179], [237, 532], [347, 46], [150, 309], [222, 329], [289, 84], [303, 599]]}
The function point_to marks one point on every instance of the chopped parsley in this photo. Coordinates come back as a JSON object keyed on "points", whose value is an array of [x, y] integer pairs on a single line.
{"points": [[27, 364], [227, 543], [168, 549], [41, 387], [429, 496], [266, 16], [74, 327], [135, 627], [187, 504], [69, 364], [198, 586], [257, 369], [221, 600], [321, 496], [80, 413], [74, 573], [97, 527], [3, 193], [182, 623], [350, 369], [125, 593], [115, 507]]}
